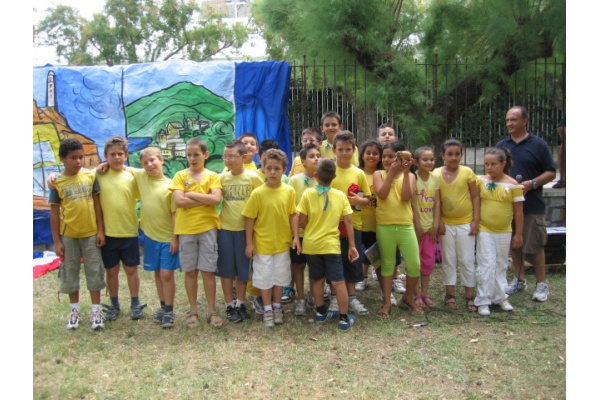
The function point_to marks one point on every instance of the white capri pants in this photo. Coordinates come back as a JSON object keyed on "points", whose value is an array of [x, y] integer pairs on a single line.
{"points": [[492, 263], [458, 251]]}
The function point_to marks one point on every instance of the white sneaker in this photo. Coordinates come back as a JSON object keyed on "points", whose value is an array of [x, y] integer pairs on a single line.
{"points": [[300, 307], [362, 285], [398, 286], [516, 286], [97, 320], [483, 310], [357, 307], [278, 315], [74, 318], [333, 304], [541, 292], [374, 274], [268, 319], [506, 306]]}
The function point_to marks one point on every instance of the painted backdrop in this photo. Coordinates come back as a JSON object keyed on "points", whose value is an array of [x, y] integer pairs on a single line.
{"points": [[156, 104]]}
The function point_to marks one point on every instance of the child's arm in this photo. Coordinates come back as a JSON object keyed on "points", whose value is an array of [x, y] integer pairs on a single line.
{"points": [[517, 240], [211, 199], [352, 252], [380, 186], [416, 217], [436, 216], [296, 241], [475, 199], [59, 248], [302, 220], [249, 240], [408, 183], [100, 237], [174, 246]]}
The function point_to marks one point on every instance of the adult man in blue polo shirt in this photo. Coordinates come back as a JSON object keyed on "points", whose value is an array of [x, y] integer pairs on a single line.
{"points": [[533, 166]]}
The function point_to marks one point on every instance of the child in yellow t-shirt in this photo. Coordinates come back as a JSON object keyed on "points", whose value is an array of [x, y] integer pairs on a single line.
{"points": [[352, 181], [310, 156], [309, 136], [320, 211], [271, 220], [197, 192], [459, 223], [331, 124], [238, 183]]}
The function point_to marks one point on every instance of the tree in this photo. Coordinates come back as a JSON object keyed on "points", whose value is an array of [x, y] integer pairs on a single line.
{"points": [[384, 36], [134, 31]]}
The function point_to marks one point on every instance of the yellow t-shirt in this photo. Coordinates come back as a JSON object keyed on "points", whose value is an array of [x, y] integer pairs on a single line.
{"points": [[74, 195], [321, 235], [425, 191], [344, 177], [369, 221], [118, 194], [392, 210], [263, 177], [202, 218], [297, 167], [326, 151], [497, 201], [236, 192], [157, 206], [271, 209], [457, 207]]}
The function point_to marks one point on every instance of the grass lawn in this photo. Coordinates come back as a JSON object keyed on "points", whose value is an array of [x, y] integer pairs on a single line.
{"points": [[457, 355]]}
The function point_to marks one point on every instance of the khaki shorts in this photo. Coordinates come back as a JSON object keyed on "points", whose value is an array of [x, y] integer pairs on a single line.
{"points": [[199, 251], [68, 275], [534, 233]]}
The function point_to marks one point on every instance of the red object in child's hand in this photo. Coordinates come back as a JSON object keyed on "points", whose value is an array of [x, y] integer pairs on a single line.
{"points": [[353, 188]]}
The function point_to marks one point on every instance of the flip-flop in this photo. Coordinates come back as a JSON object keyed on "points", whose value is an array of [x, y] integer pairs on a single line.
{"points": [[192, 322], [214, 320], [416, 309], [419, 301]]}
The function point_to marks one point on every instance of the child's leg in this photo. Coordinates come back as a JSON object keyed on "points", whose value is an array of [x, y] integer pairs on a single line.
{"points": [[465, 254], [210, 289], [159, 286], [191, 289], [387, 242], [486, 268], [167, 278], [427, 249], [227, 286], [112, 280], [130, 256], [240, 290], [449, 258], [342, 296], [316, 288], [502, 250], [133, 280], [409, 247], [298, 278]]}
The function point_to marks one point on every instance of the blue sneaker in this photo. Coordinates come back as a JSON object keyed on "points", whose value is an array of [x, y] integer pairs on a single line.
{"points": [[345, 325], [288, 294], [328, 315]]}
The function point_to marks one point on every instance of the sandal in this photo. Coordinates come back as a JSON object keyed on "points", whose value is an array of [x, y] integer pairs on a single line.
{"points": [[471, 307], [419, 301], [384, 312], [214, 320], [428, 302], [414, 307], [450, 301], [192, 320]]}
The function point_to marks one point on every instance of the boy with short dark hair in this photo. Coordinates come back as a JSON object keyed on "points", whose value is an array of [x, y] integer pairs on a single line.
{"points": [[78, 231], [249, 140], [331, 124], [320, 210], [271, 220], [119, 196], [352, 181], [310, 156], [232, 264], [309, 136]]}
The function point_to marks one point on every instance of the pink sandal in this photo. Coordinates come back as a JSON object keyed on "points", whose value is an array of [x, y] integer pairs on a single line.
{"points": [[419, 301], [428, 302]]}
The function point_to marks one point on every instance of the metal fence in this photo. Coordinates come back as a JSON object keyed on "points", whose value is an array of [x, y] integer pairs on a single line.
{"points": [[318, 87]]}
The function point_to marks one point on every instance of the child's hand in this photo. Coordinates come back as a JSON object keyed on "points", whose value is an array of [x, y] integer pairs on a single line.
{"points": [[433, 234], [59, 248], [249, 251], [474, 228], [100, 239], [517, 242], [442, 228], [352, 254], [103, 168], [296, 245], [174, 246], [419, 232], [50, 181]]}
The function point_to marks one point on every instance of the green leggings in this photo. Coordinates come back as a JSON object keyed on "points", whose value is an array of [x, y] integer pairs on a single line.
{"points": [[403, 237]]}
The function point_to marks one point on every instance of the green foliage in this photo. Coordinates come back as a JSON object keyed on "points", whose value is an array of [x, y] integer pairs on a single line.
{"points": [[134, 31]]}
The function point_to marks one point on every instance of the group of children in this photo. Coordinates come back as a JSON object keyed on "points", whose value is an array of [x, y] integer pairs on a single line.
{"points": [[337, 203]]}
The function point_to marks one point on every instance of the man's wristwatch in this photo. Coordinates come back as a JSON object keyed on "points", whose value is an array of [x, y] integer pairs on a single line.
{"points": [[534, 184]]}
